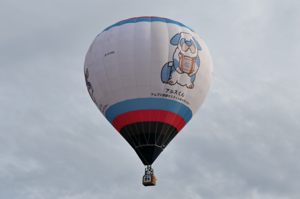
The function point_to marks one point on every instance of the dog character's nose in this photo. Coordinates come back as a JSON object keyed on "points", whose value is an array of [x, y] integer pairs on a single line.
{"points": [[189, 42]]}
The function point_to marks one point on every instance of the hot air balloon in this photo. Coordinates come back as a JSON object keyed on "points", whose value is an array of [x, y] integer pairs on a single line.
{"points": [[148, 76]]}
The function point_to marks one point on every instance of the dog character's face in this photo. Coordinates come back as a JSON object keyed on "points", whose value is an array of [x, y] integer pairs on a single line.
{"points": [[186, 43]]}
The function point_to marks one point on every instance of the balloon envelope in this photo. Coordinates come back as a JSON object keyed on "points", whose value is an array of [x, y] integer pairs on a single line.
{"points": [[148, 76]]}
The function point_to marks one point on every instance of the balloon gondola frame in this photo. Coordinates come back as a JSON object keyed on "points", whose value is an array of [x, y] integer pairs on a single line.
{"points": [[149, 178]]}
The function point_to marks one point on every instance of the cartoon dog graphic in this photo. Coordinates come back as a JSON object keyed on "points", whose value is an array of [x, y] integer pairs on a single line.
{"points": [[183, 68]]}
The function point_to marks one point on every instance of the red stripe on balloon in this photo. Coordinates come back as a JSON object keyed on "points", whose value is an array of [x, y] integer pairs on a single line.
{"points": [[148, 116]]}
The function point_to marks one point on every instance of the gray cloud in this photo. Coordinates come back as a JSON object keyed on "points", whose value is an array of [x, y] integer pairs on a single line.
{"points": [[243, 143]]}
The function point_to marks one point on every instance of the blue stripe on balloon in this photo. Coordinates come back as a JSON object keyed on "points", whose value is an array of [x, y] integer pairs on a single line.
{"points": [[146, 19], [148, 104]]}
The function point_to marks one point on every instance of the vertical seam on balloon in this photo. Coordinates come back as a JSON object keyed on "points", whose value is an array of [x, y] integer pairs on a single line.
{"points": [[133, 73], [151, 62], [178, 107], [97, 79], [164, 85]]}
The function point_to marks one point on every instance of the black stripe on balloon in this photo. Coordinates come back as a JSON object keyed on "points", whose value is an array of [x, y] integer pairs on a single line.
{"points": [[148, 139]]}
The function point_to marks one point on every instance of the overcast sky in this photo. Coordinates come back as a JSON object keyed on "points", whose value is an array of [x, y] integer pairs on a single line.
{"points": [[242, 144]]}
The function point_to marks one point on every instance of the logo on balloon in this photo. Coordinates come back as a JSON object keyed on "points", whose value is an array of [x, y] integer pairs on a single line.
{"points": [[184, 66], [89, 85]]}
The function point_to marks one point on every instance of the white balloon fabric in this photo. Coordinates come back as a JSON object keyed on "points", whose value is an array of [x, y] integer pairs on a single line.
{"points": [[148, 76]]}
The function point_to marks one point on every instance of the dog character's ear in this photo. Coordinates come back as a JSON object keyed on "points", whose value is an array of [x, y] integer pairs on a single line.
{"points": [[197, 44], [175, 39]]}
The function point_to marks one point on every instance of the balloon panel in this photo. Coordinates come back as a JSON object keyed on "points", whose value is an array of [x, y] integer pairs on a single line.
{"points": [[148, 76]]}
